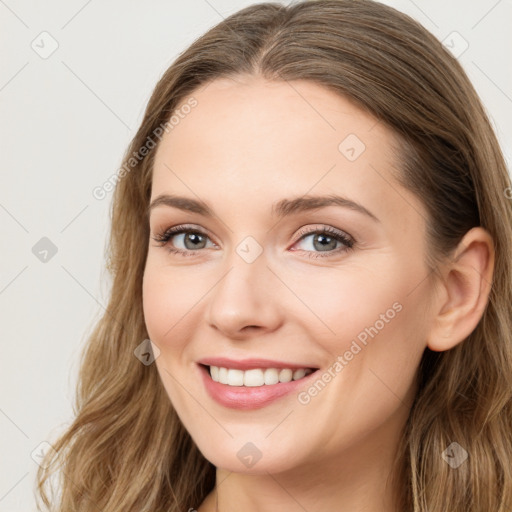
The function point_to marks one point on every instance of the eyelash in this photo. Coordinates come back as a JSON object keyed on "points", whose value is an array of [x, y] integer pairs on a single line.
{"points": [[163, 238]]}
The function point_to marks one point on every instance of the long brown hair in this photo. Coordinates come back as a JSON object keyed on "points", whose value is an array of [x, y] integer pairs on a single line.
{"points": [[127, 450]]}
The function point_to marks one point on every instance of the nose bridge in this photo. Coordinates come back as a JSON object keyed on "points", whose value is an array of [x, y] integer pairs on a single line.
{"points": [[244, 296]]}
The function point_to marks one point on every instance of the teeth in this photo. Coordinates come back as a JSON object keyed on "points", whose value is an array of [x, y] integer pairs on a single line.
{"points": [[235, 377], [285, 375], [251, 378], [256, 377]]}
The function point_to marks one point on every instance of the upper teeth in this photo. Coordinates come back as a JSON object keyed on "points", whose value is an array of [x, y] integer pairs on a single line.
{"points": [[257, 376]]}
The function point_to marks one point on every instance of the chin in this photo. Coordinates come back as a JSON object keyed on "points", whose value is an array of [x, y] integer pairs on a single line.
{"points": [[247, 458]]}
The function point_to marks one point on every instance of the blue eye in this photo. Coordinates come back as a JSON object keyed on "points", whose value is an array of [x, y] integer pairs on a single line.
{"points": [[193, 237], [324, 240]]}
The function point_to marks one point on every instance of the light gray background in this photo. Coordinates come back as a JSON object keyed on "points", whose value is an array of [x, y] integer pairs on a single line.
{"points": [[65, 122]]}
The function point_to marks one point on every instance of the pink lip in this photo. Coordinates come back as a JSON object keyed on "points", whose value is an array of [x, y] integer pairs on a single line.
{"points": [[244, 398], [249, 364]]}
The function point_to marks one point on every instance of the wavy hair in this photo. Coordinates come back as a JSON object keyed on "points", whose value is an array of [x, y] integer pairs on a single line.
{"points": [[126, 449]]}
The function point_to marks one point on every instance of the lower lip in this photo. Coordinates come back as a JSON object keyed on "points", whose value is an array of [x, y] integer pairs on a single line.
{"points": [[243, 397]]}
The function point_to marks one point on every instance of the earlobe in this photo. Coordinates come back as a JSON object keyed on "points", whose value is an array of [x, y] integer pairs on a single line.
{"points": [[466, 283]]}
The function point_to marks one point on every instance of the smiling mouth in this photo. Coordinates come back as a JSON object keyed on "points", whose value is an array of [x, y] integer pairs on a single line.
{"points": [[256, 377]]}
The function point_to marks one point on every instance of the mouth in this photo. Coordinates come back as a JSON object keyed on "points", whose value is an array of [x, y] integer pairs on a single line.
{"points": [[256, 377], [253, 388]]}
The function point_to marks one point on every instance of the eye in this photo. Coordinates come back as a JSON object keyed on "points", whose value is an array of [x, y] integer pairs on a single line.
{"points": [[192, 239], [326, 241]]}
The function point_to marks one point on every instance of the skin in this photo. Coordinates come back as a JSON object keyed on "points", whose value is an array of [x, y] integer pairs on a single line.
{"points": [[248, 144]]}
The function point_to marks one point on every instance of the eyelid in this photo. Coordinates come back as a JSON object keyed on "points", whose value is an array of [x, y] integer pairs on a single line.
{"points": [[167, 233], [323, 228]]}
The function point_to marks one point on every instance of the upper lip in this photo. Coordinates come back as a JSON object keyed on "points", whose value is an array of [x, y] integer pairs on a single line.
{"points": [[250, 364]]}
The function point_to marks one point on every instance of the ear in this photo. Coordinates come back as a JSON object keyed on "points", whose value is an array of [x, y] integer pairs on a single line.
{"points": [[466, 284]]}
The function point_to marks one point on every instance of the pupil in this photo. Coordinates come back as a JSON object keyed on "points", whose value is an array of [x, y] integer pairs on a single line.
{"points": [[323, 245], [192, 237]]}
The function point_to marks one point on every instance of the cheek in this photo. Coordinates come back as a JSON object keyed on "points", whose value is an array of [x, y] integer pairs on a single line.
{"points": [[347, 300], [168, 297], [375, 318], [381, 331], [375, 347], [155, 305]]}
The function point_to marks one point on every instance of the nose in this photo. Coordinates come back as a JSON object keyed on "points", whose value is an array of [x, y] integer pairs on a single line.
{"points": [[245, 301]]}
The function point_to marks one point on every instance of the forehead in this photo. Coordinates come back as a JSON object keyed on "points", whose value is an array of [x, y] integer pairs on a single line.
{"points": [[256, 118], [256, 141]]}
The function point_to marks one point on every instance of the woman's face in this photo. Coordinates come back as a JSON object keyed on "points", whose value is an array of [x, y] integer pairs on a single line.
{"points": [[257, 277]]}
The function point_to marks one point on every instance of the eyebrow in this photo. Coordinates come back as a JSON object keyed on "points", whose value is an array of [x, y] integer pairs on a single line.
{"points": [[282, 208]]}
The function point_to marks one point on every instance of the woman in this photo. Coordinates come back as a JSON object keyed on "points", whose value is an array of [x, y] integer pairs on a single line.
{"points": [[312, 229]]}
